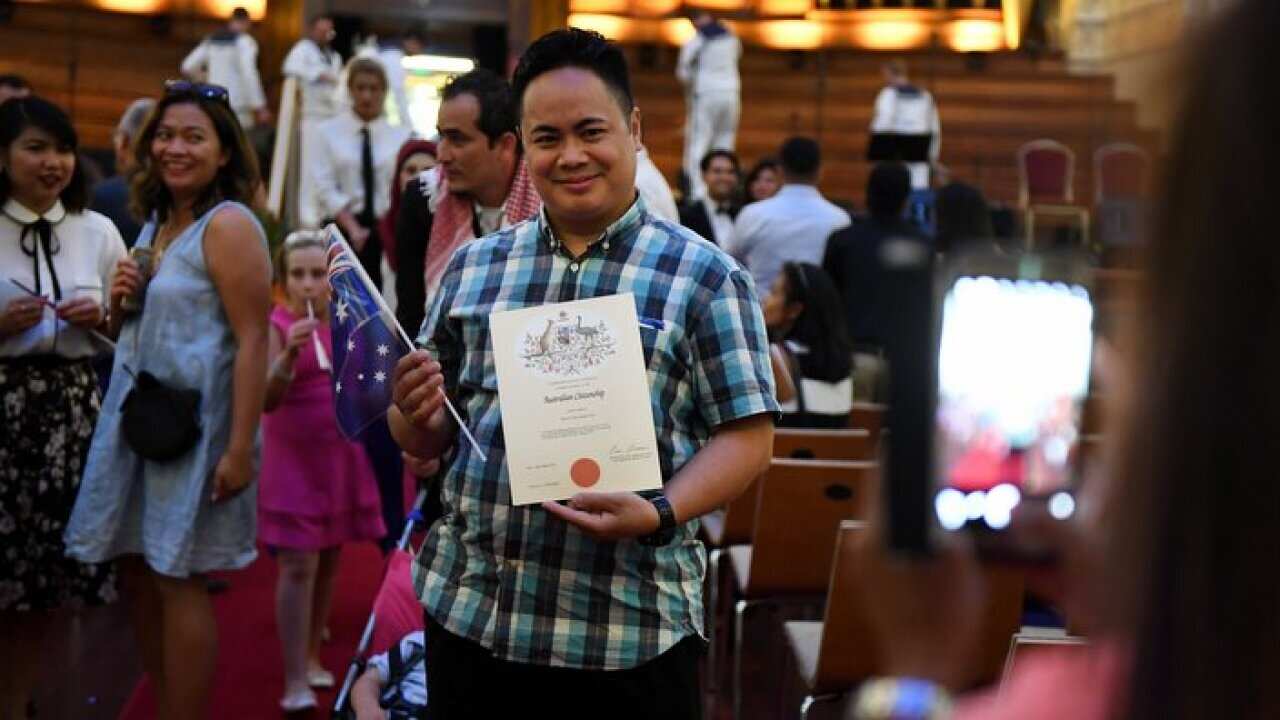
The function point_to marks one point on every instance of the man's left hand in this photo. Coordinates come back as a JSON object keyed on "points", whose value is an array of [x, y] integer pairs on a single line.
{"points": [[608, 516]]}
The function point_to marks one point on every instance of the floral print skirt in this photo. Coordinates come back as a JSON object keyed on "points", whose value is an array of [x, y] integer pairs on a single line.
{"points": [[48, 407]]}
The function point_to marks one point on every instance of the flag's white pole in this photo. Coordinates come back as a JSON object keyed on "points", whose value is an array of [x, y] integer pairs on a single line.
{"points": [[382, 307]]}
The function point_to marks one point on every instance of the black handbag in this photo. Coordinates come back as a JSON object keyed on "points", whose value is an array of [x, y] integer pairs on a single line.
{"points": [[160, 422]]}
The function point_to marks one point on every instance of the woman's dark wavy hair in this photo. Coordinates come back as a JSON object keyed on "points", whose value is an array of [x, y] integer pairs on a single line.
{"points": [[821, 326], [767, 163], [18, 114], [1195, 526], [236, 180]]}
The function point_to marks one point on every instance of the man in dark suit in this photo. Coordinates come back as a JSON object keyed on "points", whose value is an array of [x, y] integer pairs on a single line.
{"points": [[852, 259], [712, 216]]}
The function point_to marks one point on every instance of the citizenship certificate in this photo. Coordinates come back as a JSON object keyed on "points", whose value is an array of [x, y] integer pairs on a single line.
{"points": [[574, 394]]}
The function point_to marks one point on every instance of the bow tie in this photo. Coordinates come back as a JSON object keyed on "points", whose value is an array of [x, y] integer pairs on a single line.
{"points": [[37, 239], [722, 209]]}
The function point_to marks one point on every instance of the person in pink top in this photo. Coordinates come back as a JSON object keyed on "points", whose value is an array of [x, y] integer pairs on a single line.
{"points": [[317, 489], [1169, 565]]}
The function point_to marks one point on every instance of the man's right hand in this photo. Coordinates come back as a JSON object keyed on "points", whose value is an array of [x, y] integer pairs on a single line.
{"points": [[418, 388]]}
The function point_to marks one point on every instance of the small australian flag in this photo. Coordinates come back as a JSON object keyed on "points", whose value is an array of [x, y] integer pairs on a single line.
{"points": [[366, 347]]}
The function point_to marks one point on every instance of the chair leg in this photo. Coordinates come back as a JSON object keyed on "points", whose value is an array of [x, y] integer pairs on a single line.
{"points": [[811, 700], [739, 616], [805, 705], [713, 615]]}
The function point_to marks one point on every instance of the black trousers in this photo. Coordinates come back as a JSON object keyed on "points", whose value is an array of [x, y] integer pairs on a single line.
{"points": [[465, 681], [370, 257]]}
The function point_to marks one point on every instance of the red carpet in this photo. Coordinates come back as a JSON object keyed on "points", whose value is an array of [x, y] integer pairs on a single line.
{"points": [[250, 677]]}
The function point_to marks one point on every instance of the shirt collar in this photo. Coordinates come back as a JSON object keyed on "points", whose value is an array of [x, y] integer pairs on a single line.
{"points": [[24, 216], [632, 219], [798, 189]]}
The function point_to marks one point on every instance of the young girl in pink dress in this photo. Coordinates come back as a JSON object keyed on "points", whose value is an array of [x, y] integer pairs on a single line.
{"points": [[317, 489]]}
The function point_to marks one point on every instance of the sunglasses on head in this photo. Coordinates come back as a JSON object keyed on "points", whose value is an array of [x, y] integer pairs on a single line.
{"points": [[217, 93]]}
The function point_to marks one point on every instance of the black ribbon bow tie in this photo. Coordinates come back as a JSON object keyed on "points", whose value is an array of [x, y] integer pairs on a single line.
{"points": [[37, 239], [722, 209]]}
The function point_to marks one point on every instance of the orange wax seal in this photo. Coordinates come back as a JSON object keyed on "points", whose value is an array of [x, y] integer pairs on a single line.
{"points": [[584, 472]]}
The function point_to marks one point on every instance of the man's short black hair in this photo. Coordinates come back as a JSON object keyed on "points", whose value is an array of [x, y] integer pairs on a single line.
{"points": [[719, 152], [239, 14], [800, 157], [888, 189], [497, 115], [14, 81], [574, 47], [416, 32]]}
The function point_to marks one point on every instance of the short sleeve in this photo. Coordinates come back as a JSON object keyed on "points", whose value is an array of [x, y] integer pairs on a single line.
{"points": [[113, 248], [732, 376], [381, 663], [438, 335]]}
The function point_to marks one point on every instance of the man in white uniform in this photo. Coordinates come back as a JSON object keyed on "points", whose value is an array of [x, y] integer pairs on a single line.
{"points": [[708, 68], [904, 109], [392, 55], [229, 58], [316, 65]]}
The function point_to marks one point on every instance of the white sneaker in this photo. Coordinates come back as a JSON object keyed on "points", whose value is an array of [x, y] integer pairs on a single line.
{"points": [[304, 700], [320, 678]]}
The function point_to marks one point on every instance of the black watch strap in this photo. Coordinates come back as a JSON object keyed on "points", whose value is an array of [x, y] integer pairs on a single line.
{"points": [[666, 522]]}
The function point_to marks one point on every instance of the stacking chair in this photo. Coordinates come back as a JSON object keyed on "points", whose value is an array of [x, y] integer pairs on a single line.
{"points": [[800, 506], [813, 444], [835, 655], [869, 417], [1046, 177], [732, 526], [1030, 642], [1121, 175]]}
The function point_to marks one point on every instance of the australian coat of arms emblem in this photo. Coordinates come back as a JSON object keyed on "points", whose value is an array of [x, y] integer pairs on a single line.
{"points": [[567, 345]]}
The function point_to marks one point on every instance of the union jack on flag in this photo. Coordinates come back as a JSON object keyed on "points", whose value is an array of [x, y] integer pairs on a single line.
{"points": [[366, 347]]}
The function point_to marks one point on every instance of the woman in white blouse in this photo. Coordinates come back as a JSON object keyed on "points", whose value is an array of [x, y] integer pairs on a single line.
{"points": [[57, 258], [353, 173]]}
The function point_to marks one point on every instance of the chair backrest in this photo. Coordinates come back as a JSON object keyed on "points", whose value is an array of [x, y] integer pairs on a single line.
{"points": [[1120, 172], [868, 416], [812, 444], [740, 517], [849, 652], [1046, 173], [1027, 645], [801, 504]]}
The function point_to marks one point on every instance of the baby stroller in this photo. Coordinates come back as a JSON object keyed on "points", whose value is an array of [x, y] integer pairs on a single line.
{"points": [[396, 610]]}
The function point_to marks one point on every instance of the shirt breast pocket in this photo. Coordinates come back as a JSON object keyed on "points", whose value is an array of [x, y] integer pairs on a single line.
{"points": [[477, 370], [662, 350]]}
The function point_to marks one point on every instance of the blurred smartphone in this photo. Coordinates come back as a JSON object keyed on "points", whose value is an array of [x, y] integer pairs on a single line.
{"points": [[1014, 350]]}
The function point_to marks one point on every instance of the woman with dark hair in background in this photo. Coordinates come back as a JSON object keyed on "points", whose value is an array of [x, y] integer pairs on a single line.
{"points": [[764, 180], [414, 158], [196, 320], [802, 313], [57, 259], [1179, 594]]}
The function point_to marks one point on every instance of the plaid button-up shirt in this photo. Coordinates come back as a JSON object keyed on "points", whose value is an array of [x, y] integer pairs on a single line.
{"points": [[517, 580]]}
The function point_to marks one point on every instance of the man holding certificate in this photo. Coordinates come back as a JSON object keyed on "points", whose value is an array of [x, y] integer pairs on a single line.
{"points": [[593, 351]]}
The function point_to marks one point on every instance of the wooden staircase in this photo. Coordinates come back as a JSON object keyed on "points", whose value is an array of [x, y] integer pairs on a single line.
{"points": [[94, 63], [989, 107]]}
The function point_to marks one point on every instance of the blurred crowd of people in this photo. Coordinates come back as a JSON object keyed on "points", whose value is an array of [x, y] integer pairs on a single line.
{"points": [[212, 434]]}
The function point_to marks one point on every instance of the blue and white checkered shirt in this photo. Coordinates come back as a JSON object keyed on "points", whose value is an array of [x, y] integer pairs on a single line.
{"points": [[517, 580]]}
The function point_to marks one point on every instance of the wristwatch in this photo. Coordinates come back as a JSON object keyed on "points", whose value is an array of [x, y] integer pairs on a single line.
{"points": [[666, 523]]}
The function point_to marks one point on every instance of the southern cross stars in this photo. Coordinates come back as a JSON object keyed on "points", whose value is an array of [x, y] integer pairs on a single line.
{"points": [[380, 376], [341, 312], [383, 350]]}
